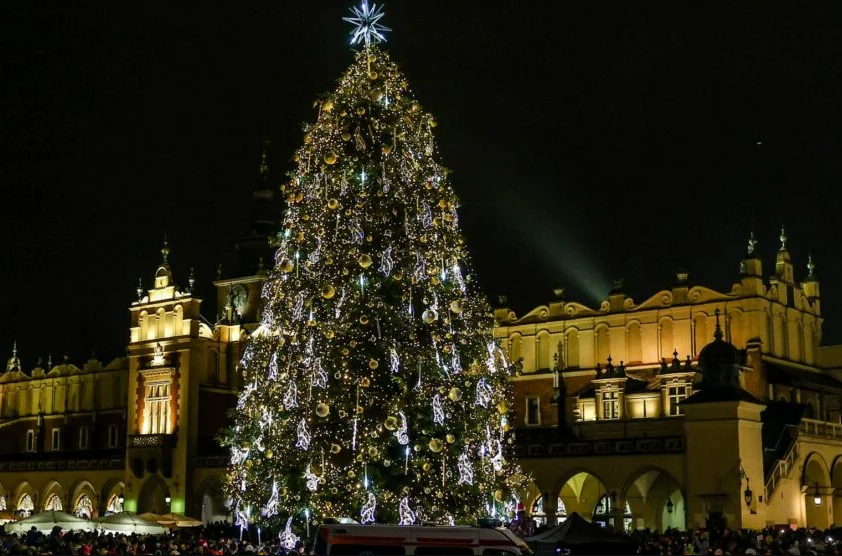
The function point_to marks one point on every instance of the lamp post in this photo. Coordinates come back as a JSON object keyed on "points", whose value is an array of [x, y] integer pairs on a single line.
{"points": [[121, 499], [168, 500]]}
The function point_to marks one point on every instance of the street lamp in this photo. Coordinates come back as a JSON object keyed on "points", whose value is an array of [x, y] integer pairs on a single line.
{"points": [[817, 499], [168, 499], [748, 495], [121, 498]]}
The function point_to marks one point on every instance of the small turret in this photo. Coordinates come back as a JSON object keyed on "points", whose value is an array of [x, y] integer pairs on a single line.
{"points": [[14, 361], [810, 286], [783, 262], [163, 276]]}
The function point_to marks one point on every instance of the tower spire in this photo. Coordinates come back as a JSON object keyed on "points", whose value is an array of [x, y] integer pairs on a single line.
{"points": [[811, 266], [718, 331], [191, 280], [165, 252], [783, 239], [752, 244]]}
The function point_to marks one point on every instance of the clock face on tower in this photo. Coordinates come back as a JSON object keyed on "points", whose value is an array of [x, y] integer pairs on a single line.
{"points": [[239, 294]]}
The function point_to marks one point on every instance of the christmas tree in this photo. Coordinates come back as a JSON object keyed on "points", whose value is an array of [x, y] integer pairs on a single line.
{"points": [[373, 386]]}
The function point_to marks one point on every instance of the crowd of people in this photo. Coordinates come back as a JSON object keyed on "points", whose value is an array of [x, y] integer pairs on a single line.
{"points": [[224, 539], [783, 541], [217, 538]]}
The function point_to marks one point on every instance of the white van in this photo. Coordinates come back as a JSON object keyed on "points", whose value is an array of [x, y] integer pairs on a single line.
{"points": [[345, 538]]}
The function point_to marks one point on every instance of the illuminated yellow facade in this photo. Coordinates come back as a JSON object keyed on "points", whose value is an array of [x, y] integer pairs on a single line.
{"points": [[612, 423], [611, 412]]}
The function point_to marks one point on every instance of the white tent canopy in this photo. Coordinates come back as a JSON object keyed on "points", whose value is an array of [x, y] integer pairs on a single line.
{"points": [[45, 521], [128, 522]]}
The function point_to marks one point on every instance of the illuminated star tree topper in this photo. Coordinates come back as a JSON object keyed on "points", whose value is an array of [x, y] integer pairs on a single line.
{"points": [[366, 27]]}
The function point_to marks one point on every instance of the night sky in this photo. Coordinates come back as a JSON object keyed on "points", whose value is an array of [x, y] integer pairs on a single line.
{"points": [[587, 140]]}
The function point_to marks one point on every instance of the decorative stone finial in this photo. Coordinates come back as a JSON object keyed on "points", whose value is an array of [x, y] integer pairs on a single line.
{"points": [[191, 281], [15, 349], [260, 265], [165, 251], [811, 266], [718, 331], [681, 276], [783, 238], [502, 300], [618, 284], [558, 292], [49, 361], [752, 244], [139, 289], [219, 272]]}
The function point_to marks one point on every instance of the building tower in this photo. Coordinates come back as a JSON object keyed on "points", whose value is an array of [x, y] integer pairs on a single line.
{"points": [[723, 489]]}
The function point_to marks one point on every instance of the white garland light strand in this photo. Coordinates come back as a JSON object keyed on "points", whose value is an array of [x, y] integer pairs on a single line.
{"points": [[303, 436], [291, 396], [438, 412], [406, 513], [466, 470], [484, 393], [272, 504], [367, 512], [394, 361], [287, 537], [401, 433], [312, 480]]}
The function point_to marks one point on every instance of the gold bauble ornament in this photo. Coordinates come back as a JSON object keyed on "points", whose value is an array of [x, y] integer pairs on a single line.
{"points": [[450, 438], [328, 291], [372, 452], [429, 316], [456, 306], [330, 158], [376, 94], [414, 107], [426, 467], [335, 448], [363, 319], [442, 203], [351, 474], [360, 111], [327, 106], [364, 381], [398, 276], [364, 260], [332, 204], [433, 123], [308, 138], [436, 445], [322, 410], [373, 364], [502, 407], [329, 334], [386, 149], [373, 75], [287, 265], [346, 136], [269, 453], [417, 447], [391, 423], [249, 463], [455, 394], [299, 236]]}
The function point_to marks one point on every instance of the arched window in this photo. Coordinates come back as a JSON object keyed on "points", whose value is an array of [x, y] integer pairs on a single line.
{"points": [[53, 503], [635, 349], [115, 506], [515, 351], [543, 352], [84, 507], [603, 514], [540, 516], [603, 346], [25, 505], [667, 342], [572, 360]]}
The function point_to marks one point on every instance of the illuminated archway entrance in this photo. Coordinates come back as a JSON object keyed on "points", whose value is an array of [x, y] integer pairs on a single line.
{"points": [[603, 513], [656, 500], [815, 484], [540, 516]]}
